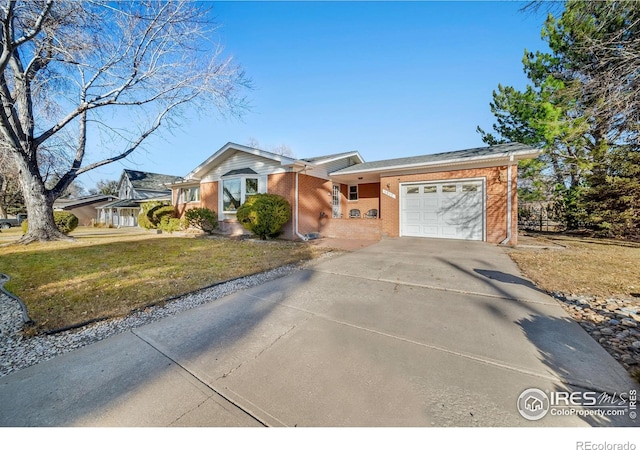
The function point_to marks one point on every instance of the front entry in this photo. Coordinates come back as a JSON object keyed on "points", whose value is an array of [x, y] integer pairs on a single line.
{"points": [[335, 201]]}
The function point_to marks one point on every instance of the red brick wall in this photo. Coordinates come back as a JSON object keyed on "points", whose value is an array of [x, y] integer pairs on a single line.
{"points": [[208, 199], [314, 199], [370, 229], [495, 200], [284, 184], [209, 196]]}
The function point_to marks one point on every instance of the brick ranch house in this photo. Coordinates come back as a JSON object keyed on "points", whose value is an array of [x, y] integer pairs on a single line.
{"points": [[466, 194]]}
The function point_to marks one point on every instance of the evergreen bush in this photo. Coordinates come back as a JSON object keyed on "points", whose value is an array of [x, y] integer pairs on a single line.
{"points": [[66, 222], [264, 214], [202, 218]]}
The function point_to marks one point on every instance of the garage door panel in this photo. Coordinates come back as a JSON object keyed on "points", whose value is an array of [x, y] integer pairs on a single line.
{"points": [[429, 219], [430, 203], [426, 230], [413, 230], [452, 209]]}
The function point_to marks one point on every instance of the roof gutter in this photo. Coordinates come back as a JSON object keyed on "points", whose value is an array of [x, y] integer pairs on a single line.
{"points": [[450, 162], [509, 202], [296, 214]]}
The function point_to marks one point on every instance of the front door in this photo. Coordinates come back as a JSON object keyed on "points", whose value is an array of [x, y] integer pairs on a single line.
{"points": [[335, 201]]}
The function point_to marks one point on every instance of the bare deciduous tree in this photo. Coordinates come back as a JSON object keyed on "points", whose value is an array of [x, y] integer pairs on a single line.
{"points": [[282, 149], [11, 200], [84, 84]]}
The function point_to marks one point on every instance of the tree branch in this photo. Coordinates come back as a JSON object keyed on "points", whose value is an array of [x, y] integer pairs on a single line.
{"points": [[143, 136]]}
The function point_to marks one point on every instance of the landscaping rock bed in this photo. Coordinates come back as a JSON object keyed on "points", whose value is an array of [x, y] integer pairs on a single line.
{"points": [[18, 351], [613, 322]]}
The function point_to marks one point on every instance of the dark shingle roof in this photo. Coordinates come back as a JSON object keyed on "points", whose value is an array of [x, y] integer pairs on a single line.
{"points": [[150, 181], [68, 203], [245, 171], [479, 152], [125, 203]]}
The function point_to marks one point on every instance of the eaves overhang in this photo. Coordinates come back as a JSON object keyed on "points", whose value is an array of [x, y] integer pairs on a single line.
{"points": [[369, 174]]}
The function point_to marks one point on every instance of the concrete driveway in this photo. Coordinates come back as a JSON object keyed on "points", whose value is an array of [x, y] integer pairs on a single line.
{"points": [[407, 332]]}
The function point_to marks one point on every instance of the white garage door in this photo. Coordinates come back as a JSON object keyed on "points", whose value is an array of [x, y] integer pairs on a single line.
{"points": [[452, 209]]}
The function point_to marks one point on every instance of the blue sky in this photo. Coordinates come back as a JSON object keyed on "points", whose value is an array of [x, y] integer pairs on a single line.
{"points": [[387, 79]]}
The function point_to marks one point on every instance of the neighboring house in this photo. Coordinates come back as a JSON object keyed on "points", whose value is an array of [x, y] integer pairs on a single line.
{"points": [[466, 194], [84, 208], [135, 188]]}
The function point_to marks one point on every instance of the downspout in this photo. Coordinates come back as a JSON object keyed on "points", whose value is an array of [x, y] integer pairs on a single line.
{"points": [[509, 202], [296, 218]]}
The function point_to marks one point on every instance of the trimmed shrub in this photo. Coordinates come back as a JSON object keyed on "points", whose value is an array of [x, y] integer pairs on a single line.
{"points": [[144, 218], [157, 214], [65, 222], [264, 214], [169, 224], [202, 218], [144, 222]]}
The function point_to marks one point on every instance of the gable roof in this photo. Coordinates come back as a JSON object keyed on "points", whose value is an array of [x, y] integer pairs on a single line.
{"points": [[478, 154], [204, 167], [149, 181]]}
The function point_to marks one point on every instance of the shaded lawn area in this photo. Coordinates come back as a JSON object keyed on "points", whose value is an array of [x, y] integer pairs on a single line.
{"points": [[110, 275], [587, 266]]}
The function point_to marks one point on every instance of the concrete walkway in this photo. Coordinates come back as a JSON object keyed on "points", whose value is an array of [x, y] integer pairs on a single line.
{"points": [[406, 332]]}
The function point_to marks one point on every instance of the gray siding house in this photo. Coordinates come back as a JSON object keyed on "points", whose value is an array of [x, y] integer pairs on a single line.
{"points": [[135, 188]]}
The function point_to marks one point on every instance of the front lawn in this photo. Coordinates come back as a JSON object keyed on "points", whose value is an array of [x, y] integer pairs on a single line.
{"points": [[586, 266], [109, 273]]}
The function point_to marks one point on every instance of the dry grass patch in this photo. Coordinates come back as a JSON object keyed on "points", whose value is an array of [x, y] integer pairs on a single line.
{"points": [[598, 267], [110, 273]]}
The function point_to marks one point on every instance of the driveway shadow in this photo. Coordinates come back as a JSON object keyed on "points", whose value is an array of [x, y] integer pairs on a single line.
{"points": [[507, 278]]}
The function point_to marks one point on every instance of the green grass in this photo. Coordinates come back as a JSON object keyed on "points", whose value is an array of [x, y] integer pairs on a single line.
{"points": [[109, 273]]}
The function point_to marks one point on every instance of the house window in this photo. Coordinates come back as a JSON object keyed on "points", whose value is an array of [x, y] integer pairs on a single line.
{"points": [[250, 186], [449, 188], [353, 192], [413, 190], [430, 189], [190, 194], [235, 192]]}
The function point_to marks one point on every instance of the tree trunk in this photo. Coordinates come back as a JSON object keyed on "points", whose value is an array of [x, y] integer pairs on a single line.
{"points": [[39, 203], [3, 189]]}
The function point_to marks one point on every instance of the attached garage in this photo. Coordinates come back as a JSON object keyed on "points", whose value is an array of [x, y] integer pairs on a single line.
{"points": [[466, 194], [451, 209]]}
